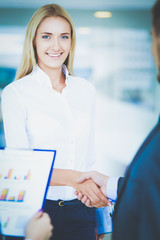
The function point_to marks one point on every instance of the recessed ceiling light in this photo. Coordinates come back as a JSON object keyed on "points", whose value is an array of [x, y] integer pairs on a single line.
{"points": [[103, 14]]}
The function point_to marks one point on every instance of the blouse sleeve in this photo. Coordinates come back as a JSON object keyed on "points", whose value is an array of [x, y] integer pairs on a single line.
{"points": [[14, 118]]}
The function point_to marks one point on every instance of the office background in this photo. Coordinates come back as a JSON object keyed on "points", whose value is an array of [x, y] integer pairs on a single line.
{"points": [[113, 53]]}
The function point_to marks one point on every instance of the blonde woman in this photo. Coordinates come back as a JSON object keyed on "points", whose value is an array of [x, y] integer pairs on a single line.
{"points": [[48, 107]]}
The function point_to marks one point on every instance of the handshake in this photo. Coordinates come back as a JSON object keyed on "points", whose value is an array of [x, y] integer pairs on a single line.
{"points": [[91, 189]]}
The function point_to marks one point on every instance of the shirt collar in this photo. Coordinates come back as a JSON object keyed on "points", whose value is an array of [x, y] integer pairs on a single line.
{"points": [[44, 79]]}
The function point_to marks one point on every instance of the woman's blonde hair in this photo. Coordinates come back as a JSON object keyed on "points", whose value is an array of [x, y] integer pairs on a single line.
{"points": [[29, 59]]}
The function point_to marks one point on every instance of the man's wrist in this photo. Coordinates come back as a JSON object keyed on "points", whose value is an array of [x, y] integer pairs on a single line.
{"points": [[111, 188]]}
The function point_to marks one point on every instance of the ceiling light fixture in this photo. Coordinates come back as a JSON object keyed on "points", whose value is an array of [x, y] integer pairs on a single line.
{"points": [[103, 14]]}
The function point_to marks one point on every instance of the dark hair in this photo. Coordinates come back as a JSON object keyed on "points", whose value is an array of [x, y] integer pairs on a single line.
{"points": [[156, 27], [156, 17]]}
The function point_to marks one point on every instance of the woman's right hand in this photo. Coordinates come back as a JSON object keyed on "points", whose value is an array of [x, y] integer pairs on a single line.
{"points": [[90, 194]]}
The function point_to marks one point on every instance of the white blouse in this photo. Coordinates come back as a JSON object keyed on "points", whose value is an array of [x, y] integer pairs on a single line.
{"points": [[37, 116]]}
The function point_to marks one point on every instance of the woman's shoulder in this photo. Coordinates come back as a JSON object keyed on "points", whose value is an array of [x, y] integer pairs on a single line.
{"points": [[19, 84]]}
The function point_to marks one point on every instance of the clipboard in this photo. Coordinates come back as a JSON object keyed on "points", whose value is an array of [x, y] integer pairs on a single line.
{"points": [[24, 180]]}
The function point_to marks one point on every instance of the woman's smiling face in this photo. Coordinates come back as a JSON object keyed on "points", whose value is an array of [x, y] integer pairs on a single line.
{"points": [[52, 42]]}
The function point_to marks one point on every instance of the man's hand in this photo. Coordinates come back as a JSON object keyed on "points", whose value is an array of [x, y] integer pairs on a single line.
{"points": [[39, 227], [90, 191], [101, 181]]}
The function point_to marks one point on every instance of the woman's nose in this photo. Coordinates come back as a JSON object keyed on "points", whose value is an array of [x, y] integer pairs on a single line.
{"points": [[55, 44]]}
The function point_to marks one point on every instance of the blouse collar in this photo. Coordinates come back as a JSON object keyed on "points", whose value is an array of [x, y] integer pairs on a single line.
{"points": [[44, 79]]}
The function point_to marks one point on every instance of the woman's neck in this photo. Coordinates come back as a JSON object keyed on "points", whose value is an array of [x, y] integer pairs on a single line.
{"points": [[57, 78]]}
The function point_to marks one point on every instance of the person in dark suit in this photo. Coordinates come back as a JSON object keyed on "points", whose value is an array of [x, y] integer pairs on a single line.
{"points": [[137, 209]]}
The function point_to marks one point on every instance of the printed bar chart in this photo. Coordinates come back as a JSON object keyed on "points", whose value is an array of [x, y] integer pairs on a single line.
{"points": [[12, 198], [17, 178], [4, 195], [11, 176], [21, 196], [28, 176], [6, 223]]}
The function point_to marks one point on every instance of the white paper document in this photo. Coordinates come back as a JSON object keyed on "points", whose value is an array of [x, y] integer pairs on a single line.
{"points": [[24, 180]]}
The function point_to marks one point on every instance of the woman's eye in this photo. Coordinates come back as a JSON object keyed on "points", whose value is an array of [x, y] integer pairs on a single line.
{"points": [[45, 37], [64, 37]]}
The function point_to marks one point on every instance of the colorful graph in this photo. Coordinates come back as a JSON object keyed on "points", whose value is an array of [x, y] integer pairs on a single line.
{"points": [[10, 175], [28, 176], [6, 223], [21, 196], [12, 198], [4, 195]]}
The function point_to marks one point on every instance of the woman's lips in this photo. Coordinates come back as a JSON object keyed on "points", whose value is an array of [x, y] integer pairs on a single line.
{"points": [[54, 54]]}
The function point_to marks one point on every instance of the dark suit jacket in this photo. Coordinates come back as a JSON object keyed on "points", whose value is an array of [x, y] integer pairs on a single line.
{"points": [[137, 210]]}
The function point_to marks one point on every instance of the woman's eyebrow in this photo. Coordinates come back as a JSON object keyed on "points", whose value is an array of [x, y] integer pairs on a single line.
{"points": [[65, 33], [48, 33]]}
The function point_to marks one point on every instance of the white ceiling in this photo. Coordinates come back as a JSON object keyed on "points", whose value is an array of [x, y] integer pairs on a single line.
{"points": [[81, 4]]}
